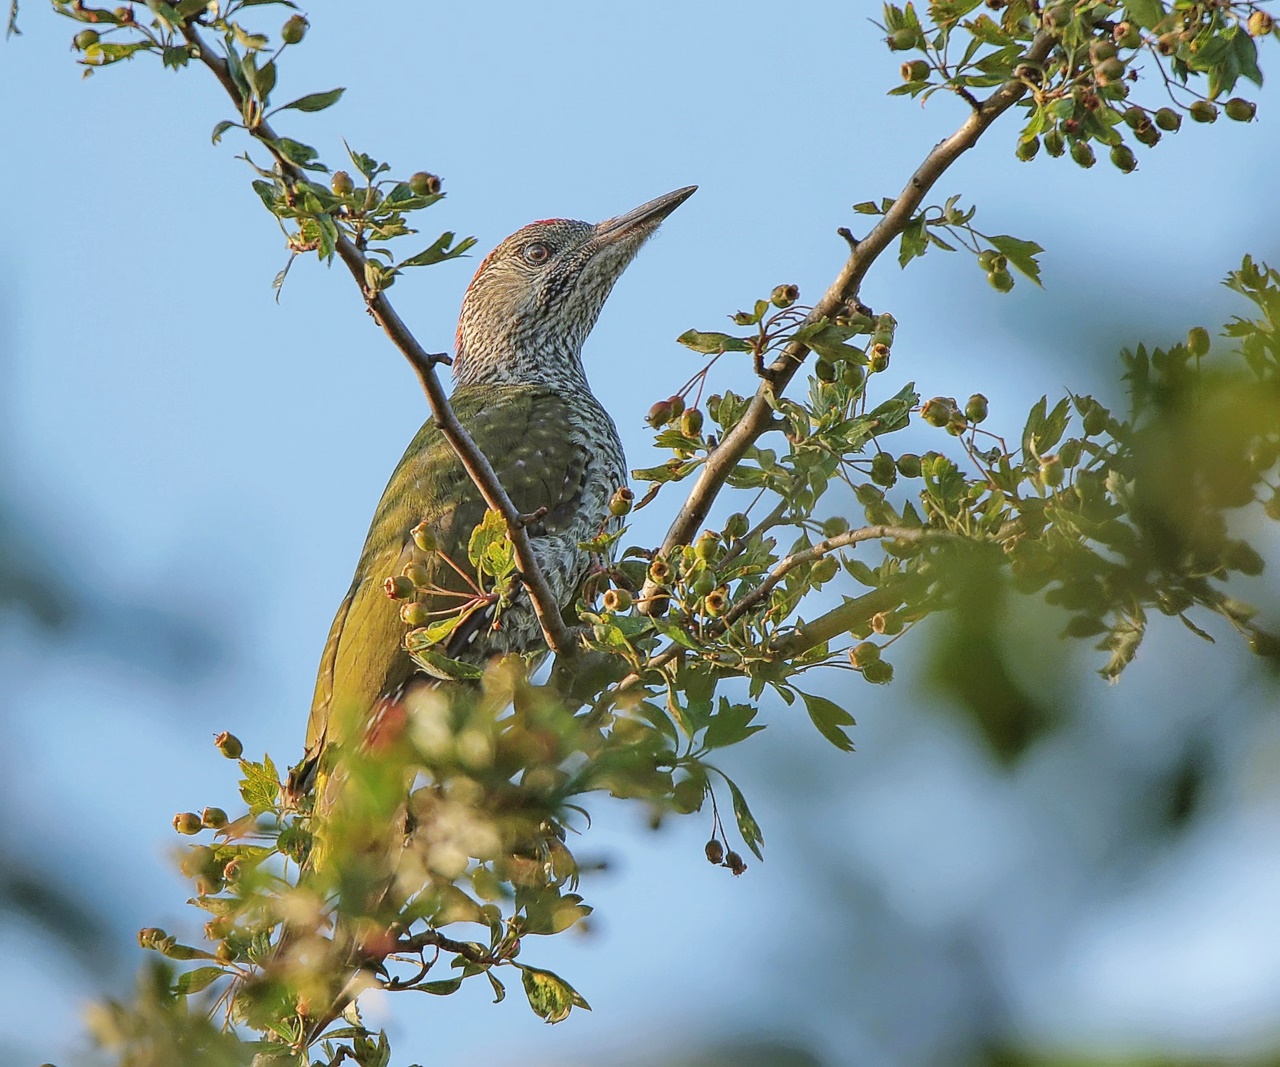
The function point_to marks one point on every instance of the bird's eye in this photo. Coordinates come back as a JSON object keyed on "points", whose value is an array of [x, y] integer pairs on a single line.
{"points": [[537, 252]]}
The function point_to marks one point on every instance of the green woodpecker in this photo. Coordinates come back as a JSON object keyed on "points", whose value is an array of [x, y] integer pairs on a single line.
{"points": [[523, 396]]}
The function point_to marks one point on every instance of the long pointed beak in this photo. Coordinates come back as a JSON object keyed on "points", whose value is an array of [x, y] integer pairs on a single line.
{"points": [[643, 220]]}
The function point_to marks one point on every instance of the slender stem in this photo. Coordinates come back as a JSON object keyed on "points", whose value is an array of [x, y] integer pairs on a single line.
{"points": [[477, 466]]}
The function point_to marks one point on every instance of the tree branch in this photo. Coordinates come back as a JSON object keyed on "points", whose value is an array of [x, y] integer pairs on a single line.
{"points": [[477, 466], [726, 456]]}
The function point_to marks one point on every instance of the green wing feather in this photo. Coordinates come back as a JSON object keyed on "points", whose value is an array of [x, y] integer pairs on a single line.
{"points": [[521, 429]]}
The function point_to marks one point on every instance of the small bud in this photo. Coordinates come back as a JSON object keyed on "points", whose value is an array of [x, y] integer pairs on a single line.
{"points": [[398, 587], [736, 525], [341, 183], [660, 571], [229, 745], [864, 653], [620, 502], [1240, 110], [878, 673], [734, 862], [1001, 280], [659, 415], [937, 411], [617, 600], [1082, 153], [1028, 150], [85, 39], [877, 358], [1168, 119], [294, 30], [1203, 111], [425, 184], [714, 851], [1198, 341], [1054, 143], [915, 70], [414, 613], [425, 538], [1260, 24], [187, 822], [691, 423], [909, 465], [1122, 158], [213, 819], [903, 39], [717, 602], [783, 296], [976, 408]]}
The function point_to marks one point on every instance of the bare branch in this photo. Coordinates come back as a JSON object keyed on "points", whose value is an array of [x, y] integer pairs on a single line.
{"points": [[424, 363]]}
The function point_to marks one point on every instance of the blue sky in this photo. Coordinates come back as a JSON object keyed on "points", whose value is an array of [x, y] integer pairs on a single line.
{"points": [[172, 436]]}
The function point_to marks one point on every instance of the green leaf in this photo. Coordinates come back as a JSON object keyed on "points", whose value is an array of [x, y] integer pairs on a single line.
{"points": [[260, 785], [442, 988], [222, 128], [439, 251], [712, 342], [829, 717], [867, 207], [314, 101], [1146, 13], [550, 996], [441, 666], [193, 981], [1021, 254], [295, 151], [499, 990], [914, 243], [730, 725], [490, 534], [747, 825]]}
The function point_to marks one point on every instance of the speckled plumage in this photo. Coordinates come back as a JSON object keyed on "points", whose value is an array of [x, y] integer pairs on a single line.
{"points": [[523, 396]]}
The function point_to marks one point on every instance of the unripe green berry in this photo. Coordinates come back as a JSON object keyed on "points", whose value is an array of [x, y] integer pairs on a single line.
{"points": [[418, 573], [1198, 341], [1240, 110], [716, 602], [864, 653], [677, 406], [824, 570], [736, 525], [824, 370], [1127, 35], [187, 822], [1082, 153], [1051, 471], [617, 600], [877, 358], [903, 39], [957, 424], [398, 587], [878, 673], [1123, 159], [621, 501], [414, 613], [888, 623], [151, 937], [1260, 24], [987, 259], [883, 470], [852, 375], [703, 584], [707, 546], [1069, 452], [868, 494], [660, 571], [425, 184], [714, 852], [341, 183], [1054, 143], [659, 415], [909, 465], [86, 39], [425, 537], [975, 410], [783, 296], [1147, 135], [937, 411], [229, 745], [1101, 50], [915, 70], [1134, 117], [1000, 280], [294, 30], [213, 818], [1028, 149], [744, 318], [735, 863], [1203, 111], [834, 526], [1168, 119], [1057, 18], [691, 423]]}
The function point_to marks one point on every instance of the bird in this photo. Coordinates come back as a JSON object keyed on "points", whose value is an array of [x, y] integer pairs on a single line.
{"points": [[522, 395]]}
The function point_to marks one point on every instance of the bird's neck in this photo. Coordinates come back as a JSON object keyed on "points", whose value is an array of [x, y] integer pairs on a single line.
{"points": [[505, 361]]}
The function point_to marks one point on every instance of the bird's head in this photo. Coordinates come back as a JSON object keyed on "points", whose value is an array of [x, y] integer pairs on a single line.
{"points": [[536, 296]]}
